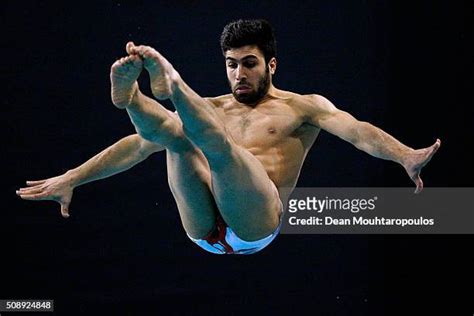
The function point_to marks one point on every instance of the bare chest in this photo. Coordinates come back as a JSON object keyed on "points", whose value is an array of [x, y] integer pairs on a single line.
{"points": [[263, 126]]}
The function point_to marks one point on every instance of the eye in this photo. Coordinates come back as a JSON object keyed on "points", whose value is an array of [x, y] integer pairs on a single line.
{"points": [[232, 65], [250, 64]]}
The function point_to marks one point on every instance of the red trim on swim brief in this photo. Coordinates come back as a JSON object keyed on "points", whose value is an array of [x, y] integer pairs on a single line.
{"points": [[217, 235]]}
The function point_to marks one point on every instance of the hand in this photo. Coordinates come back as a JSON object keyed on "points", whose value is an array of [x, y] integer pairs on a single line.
{"points": [[57, 189], [417, 160]]}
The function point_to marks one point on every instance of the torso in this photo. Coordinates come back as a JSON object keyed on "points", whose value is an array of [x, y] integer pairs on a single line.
{"points": [[274, 131]]}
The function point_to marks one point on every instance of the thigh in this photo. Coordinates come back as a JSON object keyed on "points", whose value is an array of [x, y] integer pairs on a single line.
{"points": [[190, 181], [246, 197]]}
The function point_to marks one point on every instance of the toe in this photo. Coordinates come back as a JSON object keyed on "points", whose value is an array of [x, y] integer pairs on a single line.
{"points": [[137, 62], [130, 48], [115, 65]]}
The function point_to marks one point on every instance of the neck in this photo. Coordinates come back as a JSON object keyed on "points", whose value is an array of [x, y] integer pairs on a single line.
{"points": [[272, 93]]}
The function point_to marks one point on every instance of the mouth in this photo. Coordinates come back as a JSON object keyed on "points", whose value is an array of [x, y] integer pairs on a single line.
{"points": [[243, 89]]}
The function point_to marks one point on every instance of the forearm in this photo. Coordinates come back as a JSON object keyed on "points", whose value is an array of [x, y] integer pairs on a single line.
{"points": [[371, 139], [117, 158], [380, 144]]}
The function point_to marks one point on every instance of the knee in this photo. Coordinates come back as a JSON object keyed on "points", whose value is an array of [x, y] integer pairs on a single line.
{"points": [[147, 134], [168, 136]]}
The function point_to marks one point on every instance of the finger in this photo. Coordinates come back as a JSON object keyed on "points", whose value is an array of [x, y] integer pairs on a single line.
{"points": [[65, 210], [36, 182], [419, 184], [26, 189], [436, 145], [33, 197], [33, 187], [431, 151], [32, 190]]}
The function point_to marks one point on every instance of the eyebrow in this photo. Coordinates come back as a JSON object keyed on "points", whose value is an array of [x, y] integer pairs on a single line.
{"points": [[243, 59]]}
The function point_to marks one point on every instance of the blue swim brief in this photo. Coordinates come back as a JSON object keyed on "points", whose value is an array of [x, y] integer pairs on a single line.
{"points": [[222, 240]]}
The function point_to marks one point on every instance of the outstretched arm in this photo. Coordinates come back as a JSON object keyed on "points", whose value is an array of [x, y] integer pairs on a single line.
{"points": [[117, 158], [371, 139]]}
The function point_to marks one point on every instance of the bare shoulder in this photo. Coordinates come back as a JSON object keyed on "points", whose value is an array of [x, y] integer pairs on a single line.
{"points": [[219, 101], [313, 100], [310, 105], [300, 99]]}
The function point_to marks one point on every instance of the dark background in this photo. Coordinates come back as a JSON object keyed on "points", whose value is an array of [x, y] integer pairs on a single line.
{"points": [[404, 67]]}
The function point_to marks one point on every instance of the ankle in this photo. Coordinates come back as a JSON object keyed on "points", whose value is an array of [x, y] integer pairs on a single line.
{"points": [[176, 82]]}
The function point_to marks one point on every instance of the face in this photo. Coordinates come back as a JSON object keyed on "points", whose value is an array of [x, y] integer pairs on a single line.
{"points": [[248, 74]]}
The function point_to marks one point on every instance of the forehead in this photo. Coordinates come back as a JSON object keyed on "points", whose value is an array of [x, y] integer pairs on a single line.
{"points": [[240, 52]]}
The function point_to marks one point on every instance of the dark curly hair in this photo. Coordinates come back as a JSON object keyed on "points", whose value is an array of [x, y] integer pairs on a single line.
{"points": [[249, 32]]}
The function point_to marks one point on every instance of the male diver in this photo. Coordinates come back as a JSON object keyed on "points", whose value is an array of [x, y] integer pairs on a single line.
{"points": [[232, 160]]}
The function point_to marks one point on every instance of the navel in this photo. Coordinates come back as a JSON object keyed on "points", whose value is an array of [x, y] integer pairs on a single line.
{"points": [[272, 130]]}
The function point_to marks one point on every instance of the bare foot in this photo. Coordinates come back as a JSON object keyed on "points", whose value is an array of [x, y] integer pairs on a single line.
{"points": [[123, 76], [417, 160], [162, 73]]}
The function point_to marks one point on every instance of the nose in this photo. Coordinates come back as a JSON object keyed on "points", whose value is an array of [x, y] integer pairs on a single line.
{"points": [[240, 73]]}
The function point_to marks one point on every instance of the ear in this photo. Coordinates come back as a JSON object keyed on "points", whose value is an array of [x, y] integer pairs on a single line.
{"points": [[272, 64]]}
